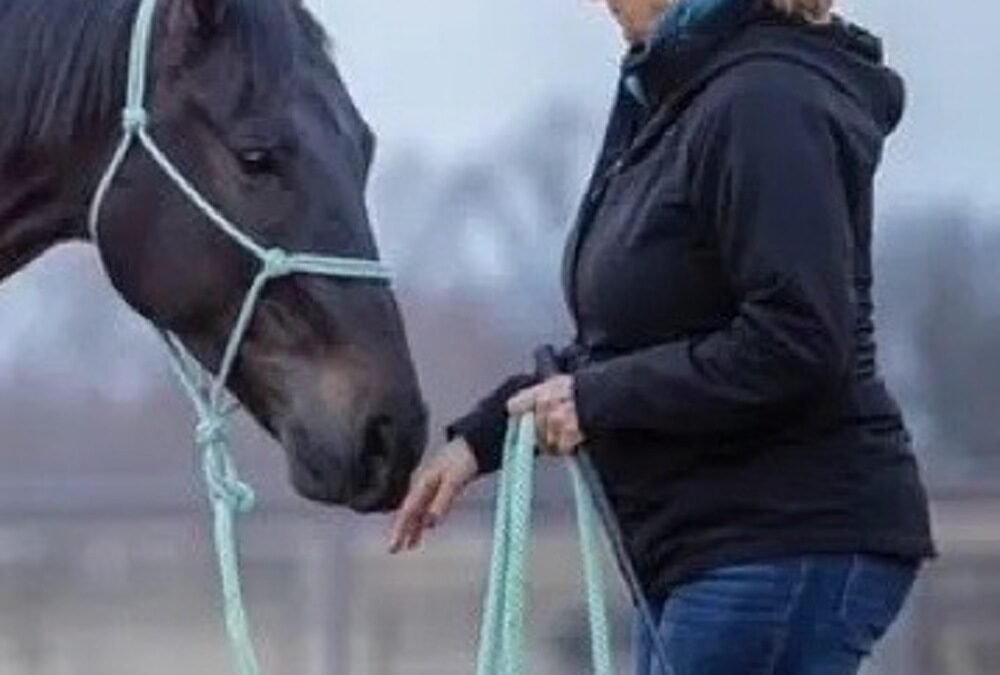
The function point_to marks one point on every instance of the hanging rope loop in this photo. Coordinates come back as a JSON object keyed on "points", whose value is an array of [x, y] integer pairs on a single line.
{"points": [[501, 639]]}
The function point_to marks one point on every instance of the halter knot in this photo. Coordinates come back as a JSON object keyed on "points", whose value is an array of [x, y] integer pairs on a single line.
{"points": [[234, 494], [210, 431], [276, 262], [224, 485], [134, 119]]}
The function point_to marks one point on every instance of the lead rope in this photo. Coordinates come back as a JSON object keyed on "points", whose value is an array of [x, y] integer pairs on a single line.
{"points": [[501, 640], [228, 494]]}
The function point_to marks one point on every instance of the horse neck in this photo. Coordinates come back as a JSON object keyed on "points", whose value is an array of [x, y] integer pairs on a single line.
{"points": [[43, 202], [52, 144]]}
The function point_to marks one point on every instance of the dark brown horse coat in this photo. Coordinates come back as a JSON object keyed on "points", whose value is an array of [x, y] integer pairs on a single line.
{"points": [[245, 100]]}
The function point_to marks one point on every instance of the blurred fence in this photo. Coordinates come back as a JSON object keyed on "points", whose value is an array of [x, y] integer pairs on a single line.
{"points": [[127, 590]]}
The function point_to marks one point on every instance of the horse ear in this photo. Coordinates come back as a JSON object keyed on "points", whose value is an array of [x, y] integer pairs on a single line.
{"points": [[208, 13]]}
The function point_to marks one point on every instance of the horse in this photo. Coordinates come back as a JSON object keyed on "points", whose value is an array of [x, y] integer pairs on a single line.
{"points": [[245, 98]]}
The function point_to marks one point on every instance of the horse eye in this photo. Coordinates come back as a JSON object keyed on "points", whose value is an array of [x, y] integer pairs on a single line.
{"points": [[257, 161]]}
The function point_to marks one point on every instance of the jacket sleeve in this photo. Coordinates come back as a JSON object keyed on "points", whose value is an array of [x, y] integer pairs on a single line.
{"points": [[765, 176], [485, 427]]}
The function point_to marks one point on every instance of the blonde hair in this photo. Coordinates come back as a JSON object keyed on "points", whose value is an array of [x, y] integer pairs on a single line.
{"points": [[813, 10]]}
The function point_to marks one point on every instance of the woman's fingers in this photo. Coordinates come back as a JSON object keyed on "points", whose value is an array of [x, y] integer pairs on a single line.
{"points": [[443, 501], [542, 432], [524, 402], [541, 401], [411, 518], [542, 397], [569, 441], [433, 492]]}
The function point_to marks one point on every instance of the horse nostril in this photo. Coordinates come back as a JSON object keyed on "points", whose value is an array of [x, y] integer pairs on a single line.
{"points": [[379, 437], [376, 453], [383, 468]]}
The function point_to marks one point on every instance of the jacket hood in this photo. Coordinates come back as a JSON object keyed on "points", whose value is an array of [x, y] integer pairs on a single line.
{"points": [[697, 40]]}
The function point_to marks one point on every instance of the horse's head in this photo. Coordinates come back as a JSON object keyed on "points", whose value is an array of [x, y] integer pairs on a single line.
{"points": [[245, 100]]}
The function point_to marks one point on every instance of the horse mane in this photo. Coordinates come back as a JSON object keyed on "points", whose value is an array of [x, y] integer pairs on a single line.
{"points": [[63, 62]]}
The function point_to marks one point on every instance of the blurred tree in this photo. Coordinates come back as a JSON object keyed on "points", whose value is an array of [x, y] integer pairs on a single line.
{"points": [[939, 336]]}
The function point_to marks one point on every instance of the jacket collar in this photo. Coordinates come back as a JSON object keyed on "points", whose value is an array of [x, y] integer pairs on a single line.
{"points": [[683, 39]]}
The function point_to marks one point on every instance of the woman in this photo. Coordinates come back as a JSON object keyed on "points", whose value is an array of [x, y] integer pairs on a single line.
{"points": [[723, 375]]}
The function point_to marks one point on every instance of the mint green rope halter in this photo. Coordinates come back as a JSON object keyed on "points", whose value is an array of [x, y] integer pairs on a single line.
{"points": [[228, 494], [501, 640]]}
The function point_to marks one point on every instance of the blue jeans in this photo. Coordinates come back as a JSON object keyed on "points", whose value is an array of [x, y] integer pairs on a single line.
{"points": [[802, 615]]}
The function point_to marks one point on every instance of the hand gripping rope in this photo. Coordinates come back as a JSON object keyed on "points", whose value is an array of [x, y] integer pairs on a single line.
{"points": [[501, 641]]}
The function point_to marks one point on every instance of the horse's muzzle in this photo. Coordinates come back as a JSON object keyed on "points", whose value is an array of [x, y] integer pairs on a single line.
{"points": [[370, 474]]}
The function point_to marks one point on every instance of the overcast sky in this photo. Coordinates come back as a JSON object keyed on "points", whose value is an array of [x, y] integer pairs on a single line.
{"points": [[447, 75], [452, 78]]}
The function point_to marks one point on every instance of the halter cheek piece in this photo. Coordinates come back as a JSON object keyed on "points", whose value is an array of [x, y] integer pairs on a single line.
{"points": [[229, 495]]}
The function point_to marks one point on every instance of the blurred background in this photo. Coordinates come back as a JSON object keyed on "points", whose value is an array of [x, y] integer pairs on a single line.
{"points": [[489, 114]]}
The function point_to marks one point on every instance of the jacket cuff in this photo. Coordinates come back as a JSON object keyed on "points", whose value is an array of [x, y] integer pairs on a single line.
{"points": [[590, 398], [481, 435], [485, 428]]}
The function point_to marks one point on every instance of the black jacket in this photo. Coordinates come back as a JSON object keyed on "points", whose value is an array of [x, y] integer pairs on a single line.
{"points": [[720, 276]]}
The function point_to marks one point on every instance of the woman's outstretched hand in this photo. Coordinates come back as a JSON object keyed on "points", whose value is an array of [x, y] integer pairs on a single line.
{"points": [[557, 427], [436, 486], [433, 491]]}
